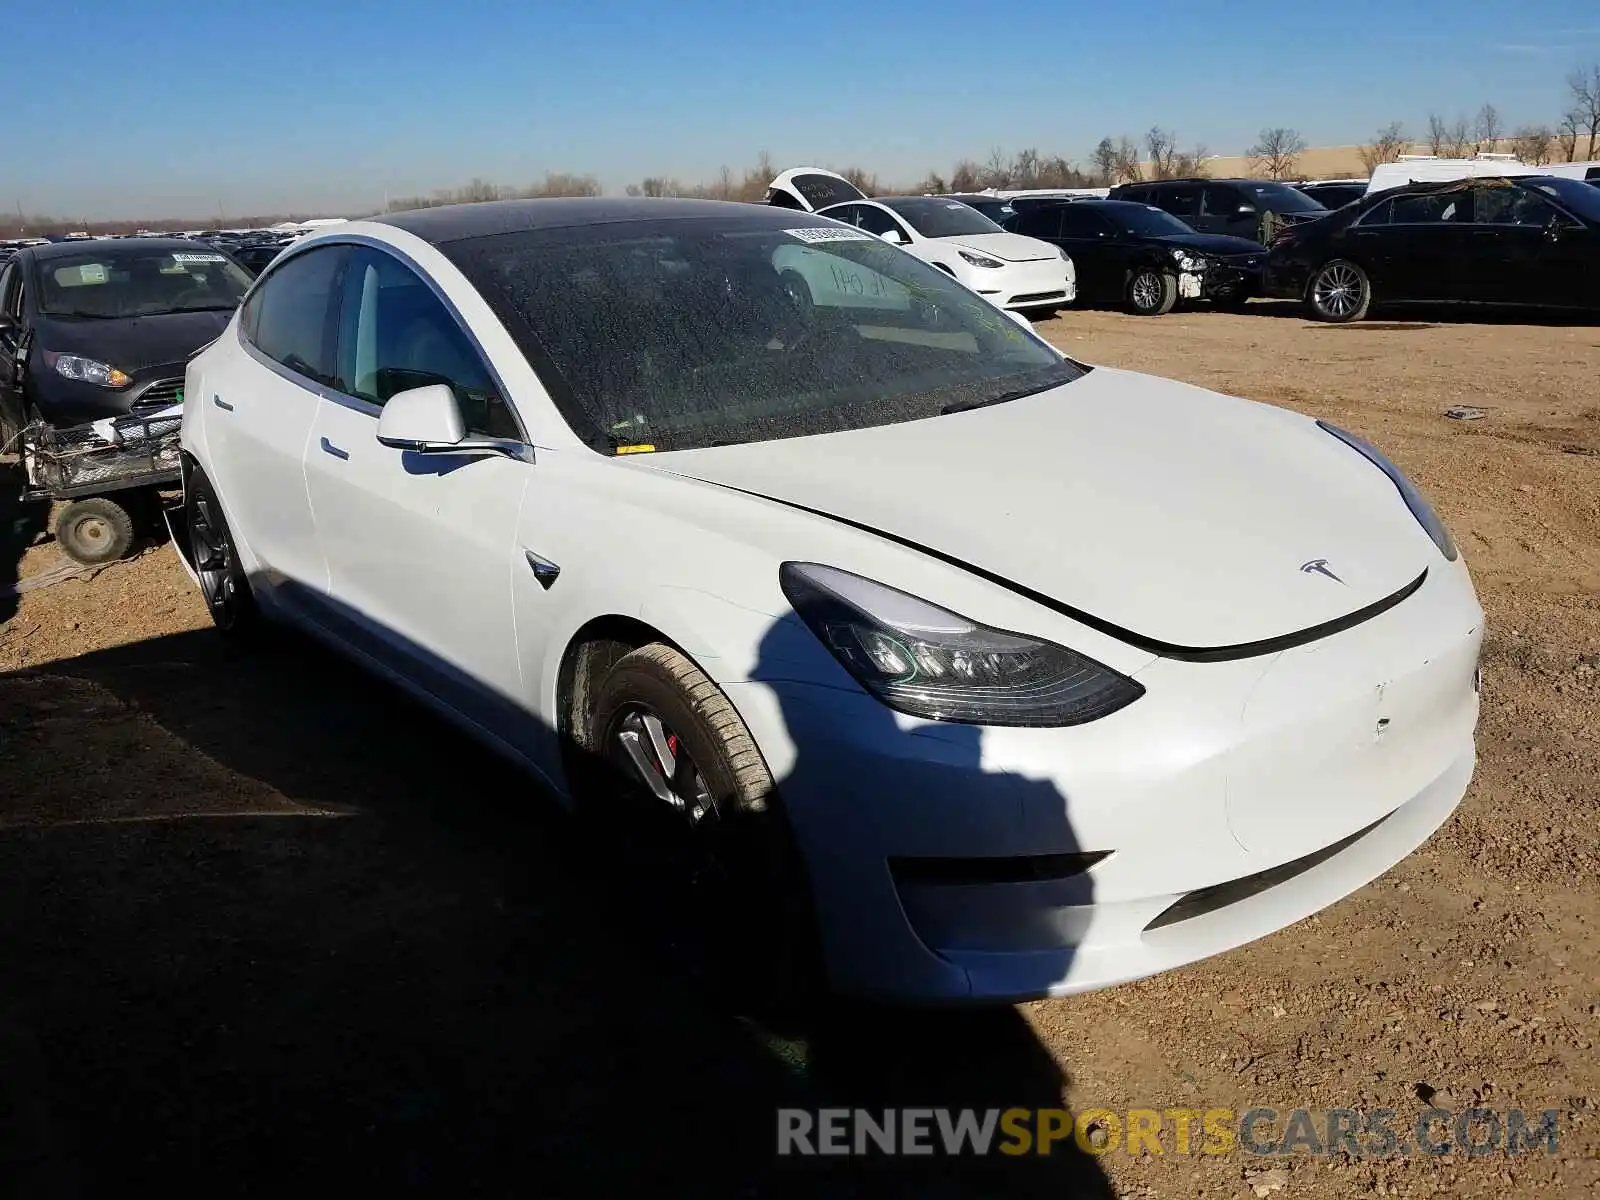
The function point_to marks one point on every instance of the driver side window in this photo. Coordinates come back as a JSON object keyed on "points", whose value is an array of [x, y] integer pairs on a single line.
{"points": [[878, 221], [396, 334]]}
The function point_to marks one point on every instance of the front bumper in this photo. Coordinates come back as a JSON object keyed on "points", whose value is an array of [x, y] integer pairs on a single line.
{"points": [[1232, 278], [1286, 278], [1045, 283], [1233, 799]]}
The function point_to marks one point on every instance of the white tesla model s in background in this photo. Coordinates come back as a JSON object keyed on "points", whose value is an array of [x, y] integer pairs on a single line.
{"points": [[982, 673]]}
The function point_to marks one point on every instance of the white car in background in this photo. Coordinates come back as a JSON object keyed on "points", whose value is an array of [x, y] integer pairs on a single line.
{"points": [[964, 670], [1015, 272]]}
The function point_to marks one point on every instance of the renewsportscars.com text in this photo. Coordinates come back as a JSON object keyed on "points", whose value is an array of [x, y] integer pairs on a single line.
{"points": [[1370, 1133]]}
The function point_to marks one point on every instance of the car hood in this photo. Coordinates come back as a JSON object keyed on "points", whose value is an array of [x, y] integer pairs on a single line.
{"points": [[1187, 519], [1220, 244], [1010, 247], [133, 343]]}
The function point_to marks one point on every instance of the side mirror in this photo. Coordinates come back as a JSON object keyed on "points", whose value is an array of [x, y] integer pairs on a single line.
{"points": [[1247, 210], [427, 420], [892, 236]]}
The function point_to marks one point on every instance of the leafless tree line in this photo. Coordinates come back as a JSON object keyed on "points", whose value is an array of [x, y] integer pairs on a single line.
{"points": [[555, 183], [1574, 138]]}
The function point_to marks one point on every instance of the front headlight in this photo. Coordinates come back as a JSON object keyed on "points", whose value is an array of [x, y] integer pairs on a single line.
{"points": [[1188, 262], [929, 662], [87, 370], [980, 260], [1420, 508]]}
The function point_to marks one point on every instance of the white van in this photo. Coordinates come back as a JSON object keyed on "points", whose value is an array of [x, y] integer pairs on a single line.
{"points": [[1421, 168], [1587, 171]]}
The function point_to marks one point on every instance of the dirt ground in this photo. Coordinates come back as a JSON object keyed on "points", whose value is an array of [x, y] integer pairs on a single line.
{"points": [[259, 928]]}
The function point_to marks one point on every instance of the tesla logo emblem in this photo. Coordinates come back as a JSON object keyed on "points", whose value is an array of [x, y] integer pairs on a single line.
{"points": [[1319, 566]]}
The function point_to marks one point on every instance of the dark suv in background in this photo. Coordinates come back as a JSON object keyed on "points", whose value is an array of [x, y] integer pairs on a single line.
{"points": [[1247, 208]]}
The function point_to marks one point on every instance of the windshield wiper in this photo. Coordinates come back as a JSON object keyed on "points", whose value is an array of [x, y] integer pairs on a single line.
{"points": [[1003, 397], [201, 308], [88, 316]]}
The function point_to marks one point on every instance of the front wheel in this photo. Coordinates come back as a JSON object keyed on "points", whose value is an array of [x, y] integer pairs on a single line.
{"points": [[223, 582], [1340, 291], [683, 791], [1152, 293]]}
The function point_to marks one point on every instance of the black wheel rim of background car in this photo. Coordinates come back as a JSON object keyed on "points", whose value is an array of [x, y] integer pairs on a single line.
{"points": [[1337, 290]]}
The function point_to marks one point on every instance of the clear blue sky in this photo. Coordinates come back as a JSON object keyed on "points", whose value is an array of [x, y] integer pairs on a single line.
{"points": [[155, 107]]}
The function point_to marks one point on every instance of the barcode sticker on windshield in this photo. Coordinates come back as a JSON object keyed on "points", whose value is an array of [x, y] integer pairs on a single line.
{"points": [[188, 258], [826, 234]]}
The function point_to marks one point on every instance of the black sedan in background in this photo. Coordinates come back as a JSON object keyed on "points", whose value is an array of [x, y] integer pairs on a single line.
{"points": [[98, 329], [1524, 240], [1142, 257]]}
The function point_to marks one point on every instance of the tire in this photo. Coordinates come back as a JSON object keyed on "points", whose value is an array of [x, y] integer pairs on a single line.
{"points": [[94, 531], [727, 873], [1339, 291], [1152, 293], [223, 582]]}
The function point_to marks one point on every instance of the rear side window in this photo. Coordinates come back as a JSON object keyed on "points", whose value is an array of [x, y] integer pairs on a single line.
{"points": [[286, 317], [1040, 222], [1425, 208]]}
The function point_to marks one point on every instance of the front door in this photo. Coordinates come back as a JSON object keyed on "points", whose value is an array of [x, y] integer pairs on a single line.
{"points": [[421, 549], [1525, 250]]}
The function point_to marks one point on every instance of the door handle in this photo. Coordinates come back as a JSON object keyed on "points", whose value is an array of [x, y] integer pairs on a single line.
{"points": [[329, 448], [221, 403]]}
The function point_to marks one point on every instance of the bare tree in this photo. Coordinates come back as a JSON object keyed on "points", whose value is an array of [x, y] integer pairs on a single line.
{"points": [[1277, 150], [1533, 144], [1489, 129], [1567, 134], [863, 179], [1583, 86], [965, 178], [933, 184], [1128, 167], [1387, 145], [1438, 134], [997, 170], [1161, 149], [1104, 159], [1025, 169]]}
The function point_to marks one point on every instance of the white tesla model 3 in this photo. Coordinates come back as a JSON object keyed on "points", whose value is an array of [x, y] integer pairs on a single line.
{"points": [[981, 672]]}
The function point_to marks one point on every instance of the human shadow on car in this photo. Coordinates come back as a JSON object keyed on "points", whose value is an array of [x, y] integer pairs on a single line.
{"points": [[393, 964]]}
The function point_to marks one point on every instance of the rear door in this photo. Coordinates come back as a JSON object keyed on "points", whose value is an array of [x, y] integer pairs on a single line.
{"points": [[1416, 247], [810, 189], [11, 334], [421, 549], [260, 404]]}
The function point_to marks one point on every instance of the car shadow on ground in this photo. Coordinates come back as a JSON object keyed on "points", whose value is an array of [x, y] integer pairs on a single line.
{"points": [[267, 924], [1424, 316]]}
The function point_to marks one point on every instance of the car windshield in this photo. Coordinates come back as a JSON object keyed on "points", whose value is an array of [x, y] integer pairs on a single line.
{"points": [[1280, 198], [936, 217], [1145, 220], [676, 334], [1579, 197], [138, 283]]}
